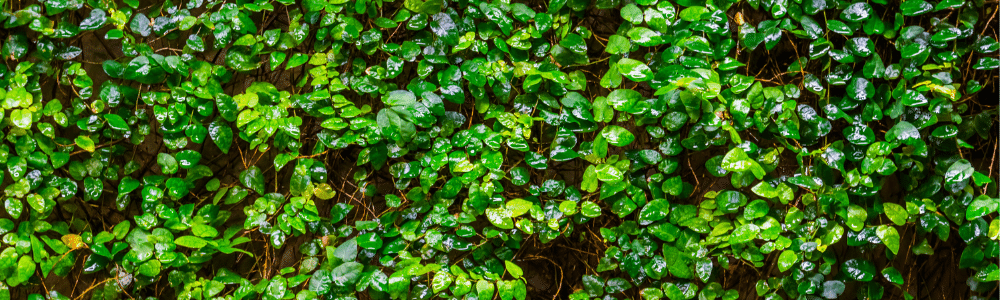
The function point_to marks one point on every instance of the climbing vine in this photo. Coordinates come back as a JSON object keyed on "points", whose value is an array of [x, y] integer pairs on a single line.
{"points": [[474, 149]]}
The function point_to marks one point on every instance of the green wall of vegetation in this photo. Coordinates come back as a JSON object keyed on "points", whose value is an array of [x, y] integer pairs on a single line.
{"points": [[473, 149]]}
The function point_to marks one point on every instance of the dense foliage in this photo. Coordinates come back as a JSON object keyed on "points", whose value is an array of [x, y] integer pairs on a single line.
{"points": [[606, 149]]}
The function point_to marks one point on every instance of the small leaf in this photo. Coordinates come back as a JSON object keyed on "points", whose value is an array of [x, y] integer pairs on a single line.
{"points": [[168, 164], [892, 275], [253, 179], [634, 70], [981, 206], [833, 288], [958, 172], [441, 281], [370, 240], [513, 269], [786, 260], [116, 122], [859, 269], [191, 242], [654, 211], [85, 143], [221, 134], [609, 173], [915, 7], [896, 213], [859, 11], [617, 135], [889, 237]]}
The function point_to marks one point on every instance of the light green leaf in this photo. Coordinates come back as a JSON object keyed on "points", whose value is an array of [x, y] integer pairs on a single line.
{"points": [[889, 237], [786, 260], [896, 213], [617, 135], [513, 269], [191, 242]]}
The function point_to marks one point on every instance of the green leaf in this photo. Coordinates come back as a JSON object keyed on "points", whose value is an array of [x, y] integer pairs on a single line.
{"points": [[253, 179], [859, 134], [500, 218], [191, 242], [651, 293], [568, 207], [590, 181], [856, 216], [188, 158], [96, 20], [168, 164], [346, 274], [786, 260], [617, 135], [915, 7], [889, 237], [25, 269], [370, 240], [860, 89], [730, 201], [39, 204], [275, 59], [744, 233], [518, 207], [981, 206], [609, 173], [631, 13], [618, 44], [296, 60], [221, 134], [856, 12], [116, 122], [896, 213], [85, 143], [429, 7], [242, 58], [858, 269], [623, 99], [971, 256], [92, 188], [903, 132], [21, 118], [839, 27], [441, 281], [485, 289], [694, 13], [643, 36], [590, 209], [513, 269], [756, 209], [141, 24], [623, 207], [653, 211], [400, 98], [987, 63], [204, 231], [892, 275], [145, 71], [736, 160], [347, 251], [959, 172], [634, 70], [833, 288]]}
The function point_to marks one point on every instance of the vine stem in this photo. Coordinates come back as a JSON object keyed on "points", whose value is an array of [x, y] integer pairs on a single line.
{"points": [[98, 147], [93, 286]]}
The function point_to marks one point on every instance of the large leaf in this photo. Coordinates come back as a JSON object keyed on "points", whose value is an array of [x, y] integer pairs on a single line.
{"points": [[618, 136], [221, 134]]}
